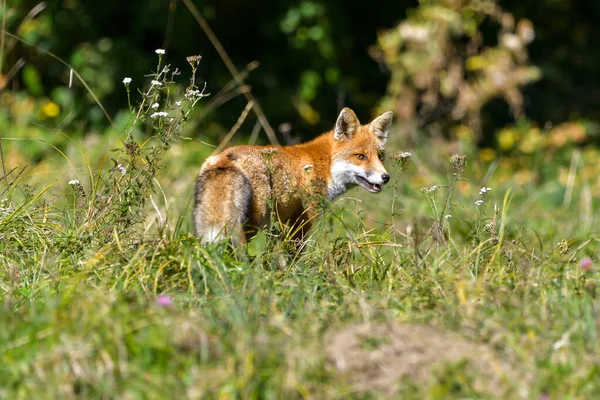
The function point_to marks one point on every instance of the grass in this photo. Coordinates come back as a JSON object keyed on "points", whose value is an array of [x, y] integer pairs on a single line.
{"points": [[489, 303]]}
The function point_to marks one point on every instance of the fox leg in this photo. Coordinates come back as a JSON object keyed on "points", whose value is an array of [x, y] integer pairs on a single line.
{"points": [[222, 203]]}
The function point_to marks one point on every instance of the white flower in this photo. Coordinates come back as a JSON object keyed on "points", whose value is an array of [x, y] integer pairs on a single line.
{"points": [[159, 114], [413, 32], [478, 203], [74, 182], [155, 105], [155, 83], [126, 80], [484, 190], [405, 154], [192, 94], [178, 103], [431, 189], [527, 34], [121, 168], [511, 41], [172, 119], [448, 216], [160, 51]]}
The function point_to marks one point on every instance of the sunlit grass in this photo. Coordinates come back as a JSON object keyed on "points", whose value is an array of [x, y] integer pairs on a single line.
{"points": [[470, 275], [148, 312]]}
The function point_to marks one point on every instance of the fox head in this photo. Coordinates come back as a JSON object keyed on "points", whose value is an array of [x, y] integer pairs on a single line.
{"points": [[357, 153]]}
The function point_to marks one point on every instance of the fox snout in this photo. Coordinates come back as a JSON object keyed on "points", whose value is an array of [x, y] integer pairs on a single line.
{"points": [[378, 177], [372, 181]]}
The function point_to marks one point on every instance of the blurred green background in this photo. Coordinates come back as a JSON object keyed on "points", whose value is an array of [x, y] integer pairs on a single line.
{"points": [[315, 57]]}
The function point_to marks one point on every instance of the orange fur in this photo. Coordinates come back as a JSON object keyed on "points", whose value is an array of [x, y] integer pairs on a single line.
{"points": [[237, 187]]}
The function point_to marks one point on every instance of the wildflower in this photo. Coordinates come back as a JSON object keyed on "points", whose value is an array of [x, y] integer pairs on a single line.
{"points": [[431, 189], [458, 162], [122, 169], [50, 109], [563, 247], [484, 190], [191, 94], [478, 203], [401, 158], [448, 216], [155, 83], [487, 154], [586, 264], [194, 60], [172, 119], [155, 106], [178, 103], [511, 42], [413, 32], [159, 114], [164, 300], [74, 182], [160, 52], [127, 80]]}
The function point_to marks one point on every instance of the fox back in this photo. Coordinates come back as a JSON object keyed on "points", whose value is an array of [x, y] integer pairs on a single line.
{"points": [[238, 189]]}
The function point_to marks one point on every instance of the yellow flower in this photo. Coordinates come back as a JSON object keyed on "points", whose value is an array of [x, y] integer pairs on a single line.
{"points": [[487, 154], [476, 62], [50, 109], [463, 132], [507, 138], [532, 141]]}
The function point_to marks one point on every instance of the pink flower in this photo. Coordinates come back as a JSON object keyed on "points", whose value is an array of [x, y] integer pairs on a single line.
{"points": [[164, 300], [586, 264]]}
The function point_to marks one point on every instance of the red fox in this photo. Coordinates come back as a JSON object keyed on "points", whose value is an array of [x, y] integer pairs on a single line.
{"points": [[238, 189]]}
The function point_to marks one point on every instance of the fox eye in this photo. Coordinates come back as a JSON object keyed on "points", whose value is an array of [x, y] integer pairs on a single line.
{"points": [[361, 156]]}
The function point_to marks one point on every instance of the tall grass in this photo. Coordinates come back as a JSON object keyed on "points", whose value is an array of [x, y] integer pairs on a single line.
{"points": [[105, 293]]}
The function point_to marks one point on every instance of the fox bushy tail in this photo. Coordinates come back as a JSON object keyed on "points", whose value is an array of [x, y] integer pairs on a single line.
{"points": [[222, 203]]}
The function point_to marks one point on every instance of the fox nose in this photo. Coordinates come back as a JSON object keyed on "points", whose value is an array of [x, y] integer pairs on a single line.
{"points": [[386, 178]]}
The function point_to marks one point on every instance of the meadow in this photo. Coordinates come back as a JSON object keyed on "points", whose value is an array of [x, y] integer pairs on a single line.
{"points": [[472, 275]]}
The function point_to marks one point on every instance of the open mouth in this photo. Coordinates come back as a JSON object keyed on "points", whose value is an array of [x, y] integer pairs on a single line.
{"points": [[371, 187]]}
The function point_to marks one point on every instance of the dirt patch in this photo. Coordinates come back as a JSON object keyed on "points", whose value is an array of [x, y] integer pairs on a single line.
{"points": [[375, 357]]}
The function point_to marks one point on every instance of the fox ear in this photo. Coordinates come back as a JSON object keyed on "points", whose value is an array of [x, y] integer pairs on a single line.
{"points": [[346, 124], [380, 126]]}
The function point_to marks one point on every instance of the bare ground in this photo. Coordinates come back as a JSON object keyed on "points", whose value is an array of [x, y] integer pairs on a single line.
{"points": [[375, 357]]}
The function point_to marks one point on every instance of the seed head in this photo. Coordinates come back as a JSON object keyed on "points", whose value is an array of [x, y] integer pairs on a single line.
{"points": [[459, 162]]}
